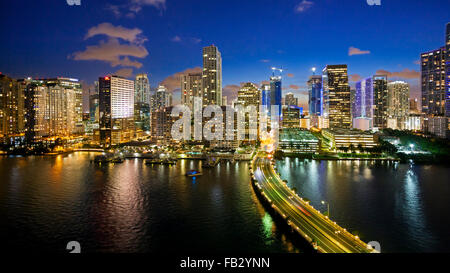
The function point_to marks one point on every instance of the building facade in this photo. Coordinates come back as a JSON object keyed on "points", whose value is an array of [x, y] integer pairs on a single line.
{"points": [[398, 104], [191, 87], [380, 95], [336, 96], [362, 104], [212, 76], [116, 110]]}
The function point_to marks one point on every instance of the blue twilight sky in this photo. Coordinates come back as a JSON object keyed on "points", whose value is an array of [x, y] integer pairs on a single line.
{"points": [[49, 38]]}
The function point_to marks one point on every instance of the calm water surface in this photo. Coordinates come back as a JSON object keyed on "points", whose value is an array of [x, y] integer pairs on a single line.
{"points": [[46, 202]]}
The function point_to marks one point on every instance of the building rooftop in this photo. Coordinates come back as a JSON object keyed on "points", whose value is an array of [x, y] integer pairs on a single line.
{"points": [[297, 135]]}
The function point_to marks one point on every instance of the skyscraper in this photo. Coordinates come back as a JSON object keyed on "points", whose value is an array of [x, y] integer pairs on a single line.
{"points": [[142, 89], [433, 82], [116, 107], [161, 99], [380, 101], [276, 93], [362, 106], [53, 108], [249, 94], [191, 87], [11, 107], [398, 104], [290, 100], [315, 95], [212, 76], [142, 103], [336, 96], [265, 96], [447, 72]]}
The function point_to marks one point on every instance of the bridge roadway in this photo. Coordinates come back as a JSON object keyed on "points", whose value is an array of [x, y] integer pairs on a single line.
{"points": [[325, 235]]}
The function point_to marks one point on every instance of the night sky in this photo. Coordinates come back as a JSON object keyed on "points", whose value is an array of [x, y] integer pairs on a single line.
{"points": [[49, 38]]}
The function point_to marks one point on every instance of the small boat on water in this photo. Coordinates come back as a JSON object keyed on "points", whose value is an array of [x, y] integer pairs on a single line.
{"points": [[193, 173], [117, 160], [152, 161], [169, 162]]}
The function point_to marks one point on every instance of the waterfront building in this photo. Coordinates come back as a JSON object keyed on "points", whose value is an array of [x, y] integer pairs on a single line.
{"points": [[433, 82], [161, 125], [11, 107], [53, 109], [414, 122], [191, 87], [397, 104], [339, 138], [212, 76], [336, 96], [298, 141], [291, 117], [437, 126], [116, 110]]}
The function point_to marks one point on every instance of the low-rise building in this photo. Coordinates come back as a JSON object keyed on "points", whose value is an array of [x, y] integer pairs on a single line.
{"points": [[344, 138], [298, 141]]}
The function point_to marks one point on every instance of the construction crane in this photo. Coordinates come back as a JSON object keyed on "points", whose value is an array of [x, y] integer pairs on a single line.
{"points": [[276, 69]]}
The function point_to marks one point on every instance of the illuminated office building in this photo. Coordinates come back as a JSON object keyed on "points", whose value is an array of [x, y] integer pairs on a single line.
{"points": [[11, 107], [290, 99], [249, 94], [315, 95], [116, 108], [191, 87], [291, 116], [212, 76], [142, 104], [276, 93], [336, 96], [398, 104]]}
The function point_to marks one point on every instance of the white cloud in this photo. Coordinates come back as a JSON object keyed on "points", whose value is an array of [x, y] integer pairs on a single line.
{"points": [[356, 51], [303, 6]]}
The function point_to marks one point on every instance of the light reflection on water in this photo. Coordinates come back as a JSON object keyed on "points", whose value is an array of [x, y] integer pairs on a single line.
{"points": [[131, 207], [399, 205]]}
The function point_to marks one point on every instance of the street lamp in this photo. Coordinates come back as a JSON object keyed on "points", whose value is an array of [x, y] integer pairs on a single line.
{"points": [[328, 207]]}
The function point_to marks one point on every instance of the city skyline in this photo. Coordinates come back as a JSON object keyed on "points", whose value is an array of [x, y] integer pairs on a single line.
{"points": [[164, 55]]}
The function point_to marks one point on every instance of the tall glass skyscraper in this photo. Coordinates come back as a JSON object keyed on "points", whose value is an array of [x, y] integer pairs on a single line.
{"points": [[265, 96], [315, 95], [276, 92]]}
